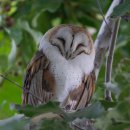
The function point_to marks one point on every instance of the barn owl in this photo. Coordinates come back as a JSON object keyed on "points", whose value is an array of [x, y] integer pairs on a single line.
{"points": [[62, 69]]}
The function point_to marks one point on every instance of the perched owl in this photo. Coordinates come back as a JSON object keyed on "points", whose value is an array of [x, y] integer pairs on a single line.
{"points": [[62, 69]]}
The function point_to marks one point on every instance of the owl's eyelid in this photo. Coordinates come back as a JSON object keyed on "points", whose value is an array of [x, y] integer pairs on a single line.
{"points": [[81, 52], [72, 41], [62, 40], [79, 45], [56, 45]]}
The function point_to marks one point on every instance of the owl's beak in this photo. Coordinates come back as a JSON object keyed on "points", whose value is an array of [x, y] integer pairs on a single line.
{"points": [[67, 55]]}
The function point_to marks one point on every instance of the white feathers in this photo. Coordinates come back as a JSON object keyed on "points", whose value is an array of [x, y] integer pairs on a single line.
{"points": [[80, 38], [65, 33], [68, 73]]}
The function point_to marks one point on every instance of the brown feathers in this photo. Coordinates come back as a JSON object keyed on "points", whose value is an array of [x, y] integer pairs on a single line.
{"points": [[38, 81], [81, 96]]}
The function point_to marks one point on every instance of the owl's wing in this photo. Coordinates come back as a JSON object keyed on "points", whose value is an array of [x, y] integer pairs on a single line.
{"points": [[39, 84], [80, 97]]}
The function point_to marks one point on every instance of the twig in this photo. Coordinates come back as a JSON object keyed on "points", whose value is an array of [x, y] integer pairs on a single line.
{"points": [[16, 84], [100, 9], [13, 82], [17, 117], [102, 41], [109, 60]]}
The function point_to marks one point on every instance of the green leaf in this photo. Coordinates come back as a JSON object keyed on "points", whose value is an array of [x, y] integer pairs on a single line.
{"points": [[9, 93], [108, 104], [36, 35], [122, 74], [40, 19], [49, 5], [119, 126], [3, 63], [32, 111], [124, 108], [16, 34], [27, 48], [24, 7], [54, 125], [87, 19], [125, 93], [4, 44], [93, 111], [121, 9]]}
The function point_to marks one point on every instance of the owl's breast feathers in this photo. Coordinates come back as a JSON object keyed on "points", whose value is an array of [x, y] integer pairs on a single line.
{"points": [[40, 86]]}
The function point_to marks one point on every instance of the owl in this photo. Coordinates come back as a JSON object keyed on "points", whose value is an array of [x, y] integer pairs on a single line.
{"points": [[62, 69]]}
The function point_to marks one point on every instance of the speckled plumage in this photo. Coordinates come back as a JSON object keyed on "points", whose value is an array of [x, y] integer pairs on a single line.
{"points": [[66, 56]]}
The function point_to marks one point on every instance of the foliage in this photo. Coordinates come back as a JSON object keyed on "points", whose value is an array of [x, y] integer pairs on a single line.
{"points": [[21, 27], [93, 111], [122, 9], [61, 118]]}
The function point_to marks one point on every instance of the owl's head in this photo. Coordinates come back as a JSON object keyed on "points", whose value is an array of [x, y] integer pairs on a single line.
{"points": [[69, 40]]}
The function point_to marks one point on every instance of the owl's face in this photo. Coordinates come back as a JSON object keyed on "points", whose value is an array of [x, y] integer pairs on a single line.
{"points": [[69, 40]]}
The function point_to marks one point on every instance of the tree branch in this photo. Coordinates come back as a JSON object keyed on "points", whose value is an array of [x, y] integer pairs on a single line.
{"points": [[102, 41], [109, 61], [16, 84]]}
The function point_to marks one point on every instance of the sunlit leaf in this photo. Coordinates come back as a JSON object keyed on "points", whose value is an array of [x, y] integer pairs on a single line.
{"points": [[5, 45], [3, 63], [9, 93]]}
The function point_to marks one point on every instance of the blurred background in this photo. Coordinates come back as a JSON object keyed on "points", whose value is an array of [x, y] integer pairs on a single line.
{"points": [[22, 24]]}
